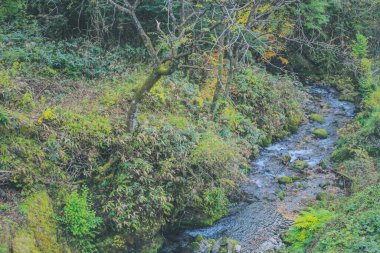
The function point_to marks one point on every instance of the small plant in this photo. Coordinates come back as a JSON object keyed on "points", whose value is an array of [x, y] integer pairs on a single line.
{"points": [[286, 159], [317, 118], [80, 220], [360, 46], [47, 115], [320, 133]]}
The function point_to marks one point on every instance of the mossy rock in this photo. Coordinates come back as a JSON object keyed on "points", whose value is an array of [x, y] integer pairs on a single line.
{"points": [[299, 165], [320, 133], [286, 180], [317, 118], [39, 234]]}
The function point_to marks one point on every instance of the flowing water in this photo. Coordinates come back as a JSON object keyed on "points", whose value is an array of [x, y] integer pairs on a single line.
{"points": [[259, 221]]}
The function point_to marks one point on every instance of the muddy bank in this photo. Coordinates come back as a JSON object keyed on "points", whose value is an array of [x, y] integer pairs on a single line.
{"points": [[280, 184]]}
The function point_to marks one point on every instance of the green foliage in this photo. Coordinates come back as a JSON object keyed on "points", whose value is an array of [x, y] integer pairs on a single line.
{"points": [[356, 225], [345, 85], [214, 204], [306, 226], [358, 151], [75, 59], [315, 14], [4, 118], [254, 96], [80, 220], [10, 9], [360, 46], [212, 149]]}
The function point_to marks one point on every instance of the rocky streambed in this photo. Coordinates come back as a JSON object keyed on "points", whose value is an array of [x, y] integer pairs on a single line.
{"points": [[288, 175]]}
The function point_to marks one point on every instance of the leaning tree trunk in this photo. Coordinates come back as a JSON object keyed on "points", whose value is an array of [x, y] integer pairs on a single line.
{"points": [[219, 83], [164, 69]]}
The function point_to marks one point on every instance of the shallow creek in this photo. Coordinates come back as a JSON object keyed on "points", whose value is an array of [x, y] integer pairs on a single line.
{"points": [[259, 221]]}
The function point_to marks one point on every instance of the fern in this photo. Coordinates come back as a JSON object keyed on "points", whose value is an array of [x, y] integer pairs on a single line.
{"points": [[303, 231]]}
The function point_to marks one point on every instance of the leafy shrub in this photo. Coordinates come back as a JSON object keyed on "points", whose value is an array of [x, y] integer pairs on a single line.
{"points": [[254, 93], [11, 8], [80, 220]]}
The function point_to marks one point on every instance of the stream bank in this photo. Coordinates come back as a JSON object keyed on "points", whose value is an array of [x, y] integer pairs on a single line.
{"points": [[288, 176]]}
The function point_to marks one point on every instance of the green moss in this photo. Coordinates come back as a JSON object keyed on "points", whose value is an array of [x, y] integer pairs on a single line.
{"points": [[320, 133], [317, 118], [299, 165], [39, 234], [286, 180]]}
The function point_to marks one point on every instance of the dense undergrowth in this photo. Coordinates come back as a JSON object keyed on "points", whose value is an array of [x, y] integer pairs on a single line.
{"points": [[75, 179], [59, 134]]}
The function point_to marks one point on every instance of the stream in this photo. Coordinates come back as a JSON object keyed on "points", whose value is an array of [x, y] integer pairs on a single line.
{"points": [[259, 222]]}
